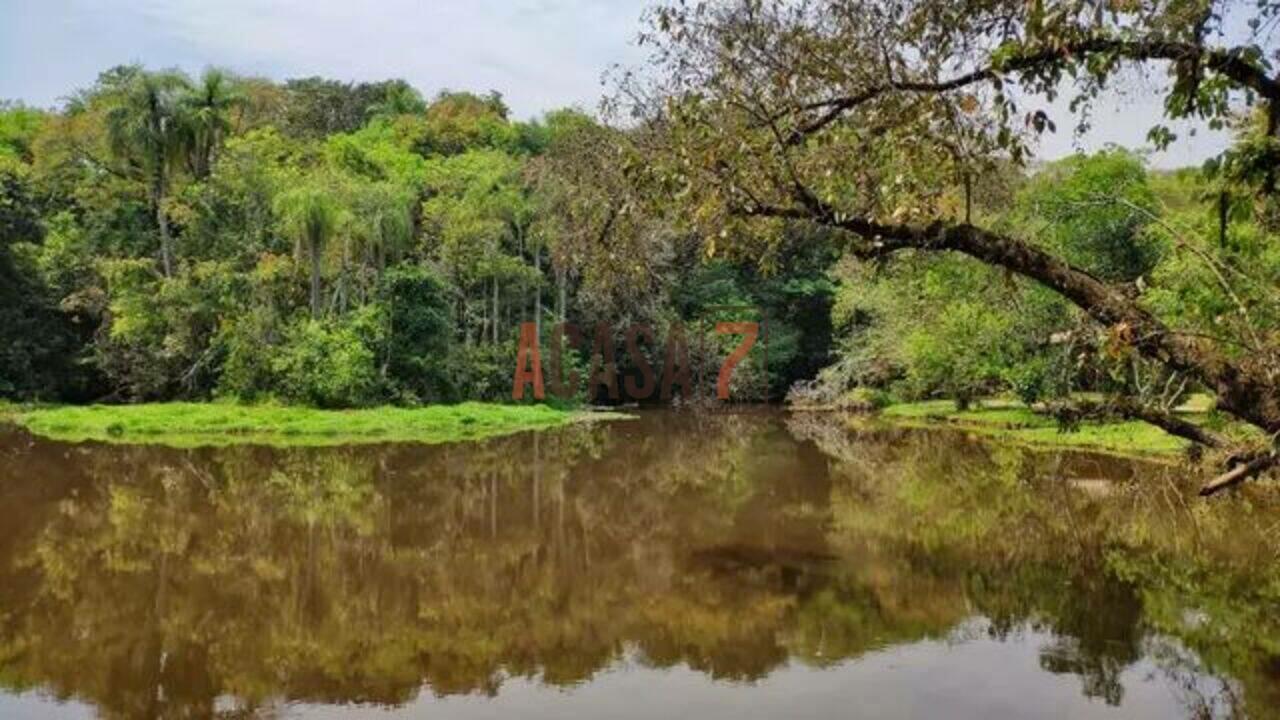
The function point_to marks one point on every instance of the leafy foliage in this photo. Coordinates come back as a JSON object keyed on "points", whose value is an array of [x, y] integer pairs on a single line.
{"points": [[339, 244]]}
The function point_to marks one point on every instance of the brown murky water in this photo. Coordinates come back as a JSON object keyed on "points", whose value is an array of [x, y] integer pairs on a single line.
{"points": [[727, 566]]}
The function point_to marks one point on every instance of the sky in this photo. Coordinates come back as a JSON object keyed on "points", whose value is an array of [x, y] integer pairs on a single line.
{"points": [[540, 54]]}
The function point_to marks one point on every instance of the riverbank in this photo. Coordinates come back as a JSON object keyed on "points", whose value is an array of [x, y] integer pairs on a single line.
{"points": [[1015, 422], [212, 424]]}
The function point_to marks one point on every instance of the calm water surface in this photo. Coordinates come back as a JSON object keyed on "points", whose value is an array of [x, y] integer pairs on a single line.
{"points": [[706, 566]]}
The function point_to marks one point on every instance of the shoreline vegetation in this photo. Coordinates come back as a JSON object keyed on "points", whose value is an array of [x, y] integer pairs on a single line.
{"points": [[189, 425], [215, 424], [1010, 421], [1013, 421], [196, 424]]}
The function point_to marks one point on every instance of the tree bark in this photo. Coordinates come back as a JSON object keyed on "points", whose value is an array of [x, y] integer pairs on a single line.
{"points": [[1170, 423]]}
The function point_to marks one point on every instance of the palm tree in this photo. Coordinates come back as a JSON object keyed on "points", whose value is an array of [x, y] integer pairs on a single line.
{"points": [[206, 110], [312, 215], [386, 221], [144, 130]]}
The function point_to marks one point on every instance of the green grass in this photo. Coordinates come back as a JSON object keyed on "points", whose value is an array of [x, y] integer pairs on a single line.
{"points": [[1013, 421], [201, 424]]}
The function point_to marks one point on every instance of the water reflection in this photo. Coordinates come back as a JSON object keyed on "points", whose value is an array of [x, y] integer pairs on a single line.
{"points": [[721, 560]]}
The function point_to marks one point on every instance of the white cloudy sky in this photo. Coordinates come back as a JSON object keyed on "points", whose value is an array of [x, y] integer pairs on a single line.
{"points": [[540, 54]]}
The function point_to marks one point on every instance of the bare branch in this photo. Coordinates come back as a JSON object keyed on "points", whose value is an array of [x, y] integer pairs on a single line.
{"points": [[1240, 473]]}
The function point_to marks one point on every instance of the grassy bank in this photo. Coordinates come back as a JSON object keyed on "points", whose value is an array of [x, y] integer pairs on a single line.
{"points": [[201, 424], [1015, 422]]}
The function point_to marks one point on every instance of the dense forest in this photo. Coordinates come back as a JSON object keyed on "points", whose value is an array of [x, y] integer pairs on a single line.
{"points": [[339, 245], [344, 244]]}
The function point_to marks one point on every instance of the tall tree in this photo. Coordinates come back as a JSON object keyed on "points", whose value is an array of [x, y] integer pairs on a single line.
{"points": [[145, 130], [312, 215], [206, 110], [385, 222], [595, 223]]}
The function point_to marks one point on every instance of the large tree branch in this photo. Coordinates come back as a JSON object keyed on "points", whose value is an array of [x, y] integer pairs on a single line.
{"points": [[1242, 389], [1230, 62]]}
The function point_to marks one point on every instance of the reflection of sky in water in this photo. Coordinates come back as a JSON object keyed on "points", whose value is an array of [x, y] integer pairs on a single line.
{"points": [[35, 706], [974, 677], [968, 676]]}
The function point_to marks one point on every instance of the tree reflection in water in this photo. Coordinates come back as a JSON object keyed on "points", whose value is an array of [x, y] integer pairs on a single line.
{"points": [[172, 583]]}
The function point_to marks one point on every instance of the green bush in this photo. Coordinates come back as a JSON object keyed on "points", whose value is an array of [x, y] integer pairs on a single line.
{"points": [[247, 371], [480, 372], [1094, 210], [962, 356], [865, 399], [328, 365], [419, 334]]}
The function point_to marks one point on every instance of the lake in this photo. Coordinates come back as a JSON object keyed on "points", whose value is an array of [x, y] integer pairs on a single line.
{"points": [[736, 565]]}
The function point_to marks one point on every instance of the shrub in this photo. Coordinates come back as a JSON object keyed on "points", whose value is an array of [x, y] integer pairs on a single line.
{"points": [[480, 372], [963, 356], [329, 366], [419, 334]]}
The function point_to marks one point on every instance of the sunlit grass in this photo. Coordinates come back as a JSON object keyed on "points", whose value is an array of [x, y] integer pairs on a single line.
{"points": [[1011, 420], [199, 424]]}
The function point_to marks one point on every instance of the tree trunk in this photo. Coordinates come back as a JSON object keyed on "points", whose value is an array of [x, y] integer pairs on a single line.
{"points": [[496, 310], [537, 292], [968, 198], [344, 287], [162, 224], [1224, 209], [482, 333], [1240, 473], [313, 247], [560, 281]]}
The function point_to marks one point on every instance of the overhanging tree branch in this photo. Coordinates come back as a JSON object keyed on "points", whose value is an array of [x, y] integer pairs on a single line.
{"points": [[1242, 390], [1230, 62]]}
